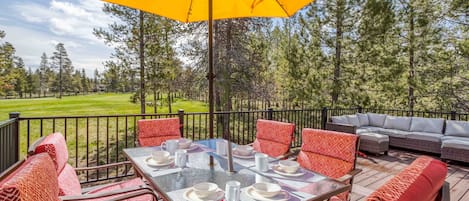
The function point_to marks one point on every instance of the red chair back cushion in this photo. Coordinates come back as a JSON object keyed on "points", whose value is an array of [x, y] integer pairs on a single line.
{"points": [[153, 132], [35, 179], [55, 145], [421, 181], [273, 137]]}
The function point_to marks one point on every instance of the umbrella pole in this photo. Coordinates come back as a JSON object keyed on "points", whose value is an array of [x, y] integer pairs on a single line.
{"points": [[210, 74]]}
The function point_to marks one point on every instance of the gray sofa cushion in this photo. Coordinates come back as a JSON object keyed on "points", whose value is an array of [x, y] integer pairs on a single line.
{"points": [[456, 144], [444, 138], [376, 119], [399, 123], [432, 137], [395, 133], [429, 125], [339, 119], [457, 128], [353, 119], [363, 119], [369, 129]]}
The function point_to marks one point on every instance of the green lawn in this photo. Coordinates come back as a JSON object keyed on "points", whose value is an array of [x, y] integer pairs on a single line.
{"points": [[96, 104]]}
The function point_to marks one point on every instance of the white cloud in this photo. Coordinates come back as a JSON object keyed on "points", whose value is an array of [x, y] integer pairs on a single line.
{"points": [[36, 27]]}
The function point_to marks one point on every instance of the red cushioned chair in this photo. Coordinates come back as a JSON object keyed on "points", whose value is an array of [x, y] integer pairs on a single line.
{"points": [[330, 153], [153, 132], [273, 137], [68, 182], [35, 179], [422, 180]]}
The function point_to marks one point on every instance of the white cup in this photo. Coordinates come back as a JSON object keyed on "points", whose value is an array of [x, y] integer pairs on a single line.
{"points": [[221, 146], [180, 158], [261, 162], [160, 156], [232, 191], [170, 146]]}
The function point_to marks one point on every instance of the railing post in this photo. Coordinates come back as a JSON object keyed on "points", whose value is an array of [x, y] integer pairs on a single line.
{"points": [[181, 121], [270, 112], [453, 115], [16, 126], [360, 109], [323, 117]]}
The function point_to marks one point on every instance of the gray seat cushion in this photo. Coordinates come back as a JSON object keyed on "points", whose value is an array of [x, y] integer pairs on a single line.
{"points": [[376, 119], [399, 123], [432, 137], [457, 128], [339, 119], [363, 119], [375, 137], [369, 129], [456, 144], [428, 125], [394, 133], [353, 120], [444, 138]]}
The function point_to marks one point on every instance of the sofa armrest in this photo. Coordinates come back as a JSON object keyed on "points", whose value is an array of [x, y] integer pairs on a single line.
{"points": [[349, 175], [345, 128], [120, 194]]}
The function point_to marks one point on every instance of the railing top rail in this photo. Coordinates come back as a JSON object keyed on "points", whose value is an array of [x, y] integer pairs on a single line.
{"points": [[6, 122]]}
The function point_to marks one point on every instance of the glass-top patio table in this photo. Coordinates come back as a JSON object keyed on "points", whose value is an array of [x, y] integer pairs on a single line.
{"points": [[172, 182]]}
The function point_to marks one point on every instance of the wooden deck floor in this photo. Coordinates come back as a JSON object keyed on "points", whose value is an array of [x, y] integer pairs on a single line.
{"points": [[377, 170]]}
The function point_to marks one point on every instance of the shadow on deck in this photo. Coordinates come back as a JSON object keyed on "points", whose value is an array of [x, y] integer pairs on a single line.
{"points": [[377, 170]]}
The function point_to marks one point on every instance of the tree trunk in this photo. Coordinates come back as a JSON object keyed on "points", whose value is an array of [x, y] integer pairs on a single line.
{"points": [[411, 79], [142, 66], [169, 101], [336, 86]]}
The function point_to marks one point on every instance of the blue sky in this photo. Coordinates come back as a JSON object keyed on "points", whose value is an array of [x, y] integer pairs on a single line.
{"points": [[36, 26]]}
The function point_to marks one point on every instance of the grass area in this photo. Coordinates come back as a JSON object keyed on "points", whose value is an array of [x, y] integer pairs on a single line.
{"points": [[95, 104]]}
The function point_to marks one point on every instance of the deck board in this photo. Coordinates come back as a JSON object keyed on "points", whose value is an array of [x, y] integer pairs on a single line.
{"points": [[377, 170]]}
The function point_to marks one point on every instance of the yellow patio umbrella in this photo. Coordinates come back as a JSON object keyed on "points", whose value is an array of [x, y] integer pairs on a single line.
{"points": [[202, 10]]}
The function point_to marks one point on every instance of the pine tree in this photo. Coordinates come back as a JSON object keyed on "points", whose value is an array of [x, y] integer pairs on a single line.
{"points": [[63, 64]]}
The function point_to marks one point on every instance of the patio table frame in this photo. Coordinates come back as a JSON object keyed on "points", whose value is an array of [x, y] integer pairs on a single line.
{"points": [[147, 175]]}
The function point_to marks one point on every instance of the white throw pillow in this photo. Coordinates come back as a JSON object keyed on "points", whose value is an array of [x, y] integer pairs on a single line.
{"points": [[339, 119], [363, 119], [353, 119], [376, 120], [399, 123], [430, 125], [457, 128]]}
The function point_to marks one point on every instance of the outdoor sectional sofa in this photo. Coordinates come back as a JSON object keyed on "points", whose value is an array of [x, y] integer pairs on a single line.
{"points": [[449, 138]]}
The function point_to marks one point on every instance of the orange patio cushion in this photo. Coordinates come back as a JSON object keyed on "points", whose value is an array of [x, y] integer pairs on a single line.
{"points": [[273, 137], [153, 132], [421, 181], [35, 179]]}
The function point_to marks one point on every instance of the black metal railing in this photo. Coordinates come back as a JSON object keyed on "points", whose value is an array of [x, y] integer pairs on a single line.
{"points": [[9, 150], [99, 140]]}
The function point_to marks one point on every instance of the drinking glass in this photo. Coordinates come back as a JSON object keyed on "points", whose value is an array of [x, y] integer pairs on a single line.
{"points": [[261, 161], [232, 191], [221, 147], [180, 158]]}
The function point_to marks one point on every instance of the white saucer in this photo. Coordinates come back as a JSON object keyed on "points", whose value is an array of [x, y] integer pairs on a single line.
{"points": [[152, 163], [282, 196], [278, 170], [191, 196], [237, 155]]}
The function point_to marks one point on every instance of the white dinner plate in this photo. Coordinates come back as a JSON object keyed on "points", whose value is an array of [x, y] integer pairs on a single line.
{"points": [[282, 196], [152, 163], [277, 169], [190, 195], [237, 155]]}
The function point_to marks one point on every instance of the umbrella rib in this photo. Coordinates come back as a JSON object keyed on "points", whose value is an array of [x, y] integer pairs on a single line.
{"points": [[189, 11], [281, 6]]}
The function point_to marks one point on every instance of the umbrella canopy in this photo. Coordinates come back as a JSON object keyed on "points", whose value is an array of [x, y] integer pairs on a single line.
{"points": [[198, 10], [202, 10]]}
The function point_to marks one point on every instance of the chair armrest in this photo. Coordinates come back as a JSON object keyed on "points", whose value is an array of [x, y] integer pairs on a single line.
{"points": [[121, 194], [349, 175], [291, 155], [250, 144], [345, 128], [103, 166], [32, 147]]}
